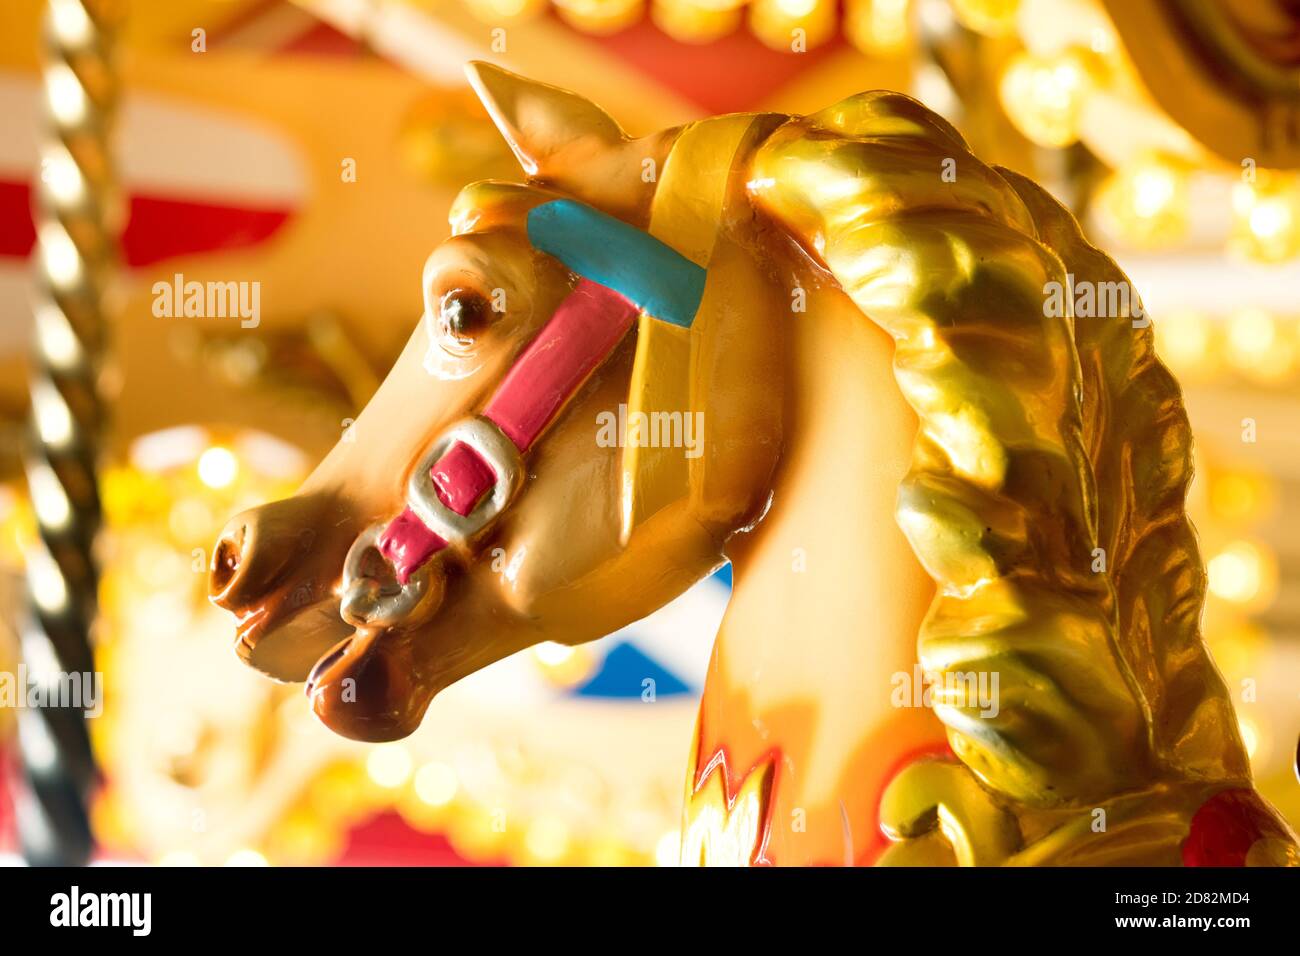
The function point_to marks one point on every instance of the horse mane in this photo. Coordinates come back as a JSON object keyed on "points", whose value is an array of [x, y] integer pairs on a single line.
{"points": [[1046, 492]]}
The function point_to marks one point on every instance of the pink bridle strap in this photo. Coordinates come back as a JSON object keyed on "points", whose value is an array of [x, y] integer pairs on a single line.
{"points": [[576, 340]]}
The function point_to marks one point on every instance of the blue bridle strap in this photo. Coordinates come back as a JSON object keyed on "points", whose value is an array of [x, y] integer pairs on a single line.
{"points": [[653, 276]]}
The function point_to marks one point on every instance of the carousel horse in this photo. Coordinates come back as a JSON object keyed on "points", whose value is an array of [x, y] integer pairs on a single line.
{"points": [[818, 348]]}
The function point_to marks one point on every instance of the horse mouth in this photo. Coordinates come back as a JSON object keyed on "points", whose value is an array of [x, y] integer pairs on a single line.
{"points": [[286, 644]]}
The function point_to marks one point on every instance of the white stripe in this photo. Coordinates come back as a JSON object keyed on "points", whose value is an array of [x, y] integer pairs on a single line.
{"points": [[170, 147]]}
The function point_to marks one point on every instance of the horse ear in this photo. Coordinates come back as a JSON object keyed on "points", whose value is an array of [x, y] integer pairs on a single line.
{"points": [[550, 130], [566, 142]]}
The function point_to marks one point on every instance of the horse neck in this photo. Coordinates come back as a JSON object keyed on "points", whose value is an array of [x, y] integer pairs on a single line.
{"points": [[828, 597]]}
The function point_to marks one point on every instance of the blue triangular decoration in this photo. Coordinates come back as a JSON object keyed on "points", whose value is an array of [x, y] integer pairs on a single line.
{"points": [[621, 673]]}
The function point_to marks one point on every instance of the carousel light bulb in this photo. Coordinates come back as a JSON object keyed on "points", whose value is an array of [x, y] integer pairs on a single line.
{"points": [[70, 21], [62, 177], [54, 335], [600, 16], [246, 857], [1241, 573], [793, 25], [552, 653], [1044, 96], [795, 9], [53, 419], [389, 766], [1266, 217], [178, 858], [1183, 340], [436, 784], [992, 18], [65, 94], [46, 581], [48, 498], [59, 254], [547, 839], [696, 21], [1256, 346], [1146, 202], [496, 12], [878, 27], [1153, 190], [218, 467]]}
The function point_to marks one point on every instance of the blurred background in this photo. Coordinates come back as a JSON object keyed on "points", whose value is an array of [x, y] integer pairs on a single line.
{"points": [[1170, 127]]}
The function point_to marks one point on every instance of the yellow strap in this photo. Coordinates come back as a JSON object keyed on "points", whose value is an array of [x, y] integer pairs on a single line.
{"points": [[686, 212]]}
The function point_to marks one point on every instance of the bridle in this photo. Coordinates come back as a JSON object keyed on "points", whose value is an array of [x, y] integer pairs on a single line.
{"points": [[473, 471]]}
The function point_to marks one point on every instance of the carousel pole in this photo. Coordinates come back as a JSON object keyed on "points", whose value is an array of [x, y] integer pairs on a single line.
{"points": [[77, 212]]}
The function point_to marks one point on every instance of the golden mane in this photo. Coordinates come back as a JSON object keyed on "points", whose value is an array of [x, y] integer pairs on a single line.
{"points": [[1046, 494]]}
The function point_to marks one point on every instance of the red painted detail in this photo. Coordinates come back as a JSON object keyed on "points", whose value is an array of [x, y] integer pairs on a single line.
{"points": [[322, 39], [158, 227], [733, 780], [461, 478], [407, 543], [1225, 828], [17, 230], [387, 840], [579, 336], [733, 74], [166, 228], [585, 328]]}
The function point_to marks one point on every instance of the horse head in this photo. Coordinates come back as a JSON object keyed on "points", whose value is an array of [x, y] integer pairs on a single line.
{"points": [[510, 482], [827, 349]]}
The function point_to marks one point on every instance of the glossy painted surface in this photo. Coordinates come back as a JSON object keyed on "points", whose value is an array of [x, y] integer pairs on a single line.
{"points": [[900, 450]]}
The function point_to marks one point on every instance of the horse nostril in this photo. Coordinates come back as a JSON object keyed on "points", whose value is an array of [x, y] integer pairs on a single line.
{"points": [[226, 561]]}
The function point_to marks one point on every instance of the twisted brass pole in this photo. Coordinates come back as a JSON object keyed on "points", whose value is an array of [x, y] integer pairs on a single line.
{"points": [[77, 211]]}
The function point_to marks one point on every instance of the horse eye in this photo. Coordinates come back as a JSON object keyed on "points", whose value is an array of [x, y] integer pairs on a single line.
{"points": [[464, 314]]}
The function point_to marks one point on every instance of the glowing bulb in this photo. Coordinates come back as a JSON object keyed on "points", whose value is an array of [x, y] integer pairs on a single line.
{"points": [[62, 261], [218, 467], [246, 857], [1266, 217], [1153, 188], [64, 93], [389, 766], [992, 18], [62, 177], [1239, 572], [552, 654], [46, 581], [1146, 202], [878, 27], [179, 858], [1044, 96], [1256, 347], [547, 839], [48, 497], [57, 342], [53, 419], [1269, 218], [70, 21], [436, 784], [796, 9]]}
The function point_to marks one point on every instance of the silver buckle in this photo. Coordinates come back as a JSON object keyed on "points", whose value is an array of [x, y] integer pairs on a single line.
{"points": [[367, 600], [498, 453]]}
